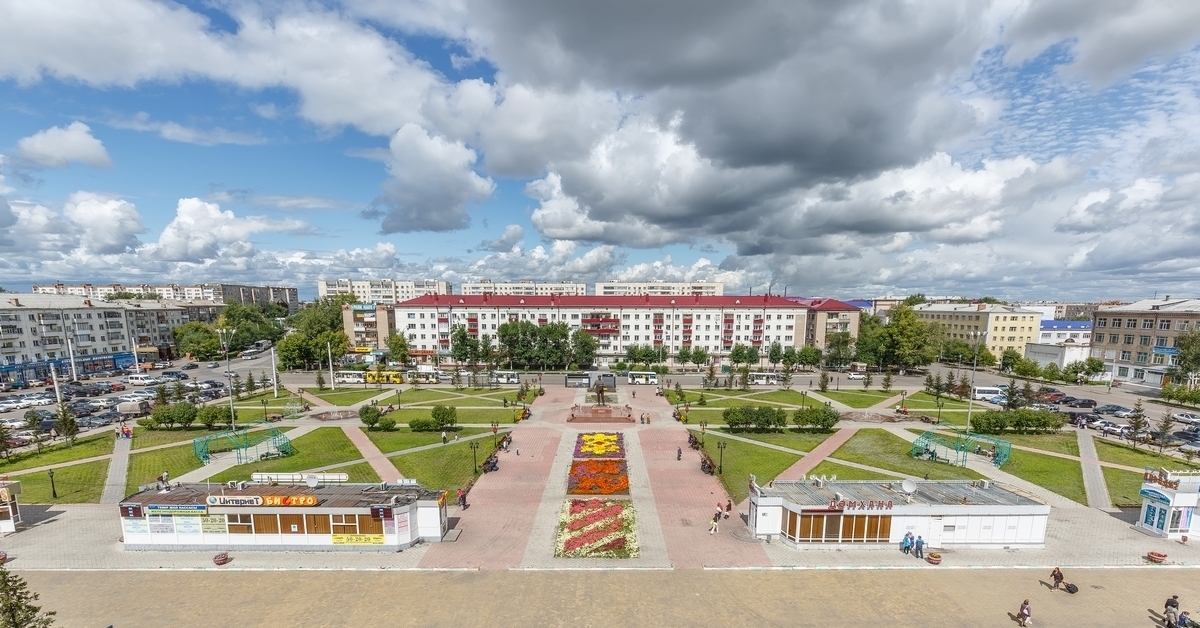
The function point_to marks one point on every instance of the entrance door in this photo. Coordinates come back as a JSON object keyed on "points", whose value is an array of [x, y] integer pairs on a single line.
{"points": [[934, 538]]}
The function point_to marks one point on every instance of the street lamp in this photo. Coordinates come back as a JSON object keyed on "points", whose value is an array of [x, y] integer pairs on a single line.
{"points": [[495, 429], [977, 337], [721, 457], [264, 402], [225, 335], [940, 403], [53, 490], [803, 398], [703, 426], [474, 457], [903, 397]]}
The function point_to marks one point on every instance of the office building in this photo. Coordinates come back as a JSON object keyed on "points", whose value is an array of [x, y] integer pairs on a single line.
{"points": [[1137, 341], [1006, 326]]}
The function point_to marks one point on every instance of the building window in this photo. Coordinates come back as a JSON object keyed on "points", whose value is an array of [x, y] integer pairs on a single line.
{"points": [[240, 524], [1160, 341], [1144, 341], [1147, 323], [1122, 371], [1114, 339], [1158, 359], [1128, 339], [1131, 323], [1126, 355], [345, 524], [1101, 322], [1142, 356], [1139, 373], [1164, 325]]}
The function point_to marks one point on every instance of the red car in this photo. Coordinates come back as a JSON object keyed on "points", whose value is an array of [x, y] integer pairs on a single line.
{"points": [[116, 386], [1053, 397]]}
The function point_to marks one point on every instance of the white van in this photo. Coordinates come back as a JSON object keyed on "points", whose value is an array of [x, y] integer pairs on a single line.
{"points": [[141, 379], [983, 393]]}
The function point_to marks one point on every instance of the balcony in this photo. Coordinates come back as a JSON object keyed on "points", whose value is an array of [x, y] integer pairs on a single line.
{"points": [[10, 332], [9, 348], [599, 321]]}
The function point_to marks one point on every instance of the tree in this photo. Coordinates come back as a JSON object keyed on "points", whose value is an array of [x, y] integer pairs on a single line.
{"points": [[210, 416], [1093, 367], [789, 357], [66, 425], [1009, 359], [323, 315], [1163, 429], [823, 381], [161, 397], [251, 385], [775, 355], [1027, 368], [387, 423], [163, 417], [198, 340], [699, 357], [684, 355], [1012, 399], [1187, 362], [1137, 422], [839, 348], [908, 340], [444, 416], [17, 608], [369, 415], [710, 376], [914, 299], [178, 391], [184, 414], [887, 383], [583, 348], [752, 356], [1028, 394], [785, 376], [236, 387], [737, 356], [821, 418], [320, 380], [397, 346], [809, 356], [869, 346], [294, 352], [930, 387]]}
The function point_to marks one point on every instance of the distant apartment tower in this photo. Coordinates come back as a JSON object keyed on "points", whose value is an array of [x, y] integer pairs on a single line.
{"points": [[523, 288], [224, 293], [368, 326], [1137, 341], [1006, 326], [659, 288], [381, 290]]}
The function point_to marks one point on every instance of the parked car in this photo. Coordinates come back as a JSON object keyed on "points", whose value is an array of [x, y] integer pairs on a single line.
{"points": [[1052, 397], [1082, 403], [1186, 417], [998, 400], [190, 366], [1125, 414], [1112, 429], [116, 386], [17, 441], [1065, 400], [1110, 408], [1044, 407], [229, 373], [162, 364], [1192, 448]]}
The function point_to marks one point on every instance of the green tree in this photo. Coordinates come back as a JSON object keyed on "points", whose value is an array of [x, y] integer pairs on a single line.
{"points": [[444, 416], [397, 346], [737, 356], [464, 347], [775, 355], [17, 604], [369, 415], [914, 299], [785, 376], [66, 425], [821, 418], [1187, 362], [869, 346], [1027, 368], [198, 340], [210, 416], [387, 423], [823, 381], [752, 356], [684, 355], [699, 356], [887, 382], [909, 342], [518, 342], [1163, 429], [321, 316], [1093, 367], [1009, 359], [251, 385], [867, 379], [839, 348], [161, 396], [236, 387], [1012, 397], [1137, 422], [789, 357], [809, 356], [5, 434], [184, 414], [295, 352], [710, 375], [583, 348], [178, 391], [320, 380], [163, 417]]}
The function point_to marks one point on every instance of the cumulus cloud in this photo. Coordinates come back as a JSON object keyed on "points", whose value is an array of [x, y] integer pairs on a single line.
{"points": [[200, 230], [512, 236], [110, 225], [57, 146], [433, 183]]}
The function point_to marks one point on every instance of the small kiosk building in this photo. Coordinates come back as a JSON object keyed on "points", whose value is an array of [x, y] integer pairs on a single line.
{"points": [[10, 511], [1169, 499], [863, 514], [279, 517]]}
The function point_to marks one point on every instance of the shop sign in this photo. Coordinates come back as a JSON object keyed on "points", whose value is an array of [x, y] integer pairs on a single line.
{"points": [[873, 504], [381, 512], [226, 500], [1154, 496], [1166, 351], [1155, 477], [358, 539], [213, 524], [4, 496], [177, 509], [289, 500], [131, 510], [187, 525]]}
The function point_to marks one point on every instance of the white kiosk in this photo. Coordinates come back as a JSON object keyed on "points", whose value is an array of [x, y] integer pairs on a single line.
{"points": [[1168, 500], [10, 511]]}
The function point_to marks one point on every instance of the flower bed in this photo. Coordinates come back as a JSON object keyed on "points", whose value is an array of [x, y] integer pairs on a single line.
{"points": [[598, 477], [600, 445], [595, 528]]}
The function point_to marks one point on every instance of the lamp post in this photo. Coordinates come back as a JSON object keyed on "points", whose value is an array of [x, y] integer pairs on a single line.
{"points": [[903, 397], [495, 429], [53, 490], [977, 337], [940, 403], [264, 402], [703, 426], [721, 457], [225, 334], [803, 398], [474, 457]]}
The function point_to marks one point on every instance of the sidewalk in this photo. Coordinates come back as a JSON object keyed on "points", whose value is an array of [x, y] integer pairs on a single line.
{"points": [[118, 468], [1093, 474], [382, 466], [819, 453]]}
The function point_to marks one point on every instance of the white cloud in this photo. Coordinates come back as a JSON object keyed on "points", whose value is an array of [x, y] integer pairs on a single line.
{"points": [[110, 225], [512, 236], [189, 135], [432, 185], [56, 147], [287, 202], [201, 229]]}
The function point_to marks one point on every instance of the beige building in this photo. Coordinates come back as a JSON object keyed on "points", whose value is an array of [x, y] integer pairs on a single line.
{"points": [[368, 325], [38, 331], [219, 292], [660, 288], [523, 288], [381, 290], [1006, 326], [1137, 341], [828, 316]]}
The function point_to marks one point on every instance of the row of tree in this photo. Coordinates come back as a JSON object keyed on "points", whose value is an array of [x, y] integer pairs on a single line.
{"points": [[766, 418]]}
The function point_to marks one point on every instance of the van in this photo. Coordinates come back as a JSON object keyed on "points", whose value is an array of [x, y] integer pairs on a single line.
{"points": [[983, 393], [140, 379]]}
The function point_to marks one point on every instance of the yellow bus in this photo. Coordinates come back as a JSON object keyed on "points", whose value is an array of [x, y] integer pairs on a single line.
{"points": [[385, 377]]}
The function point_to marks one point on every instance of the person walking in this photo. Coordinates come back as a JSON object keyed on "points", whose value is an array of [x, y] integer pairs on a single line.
{"points": [[919, 547], [1025, 614], [906, 544], [1057, 577], [728, 507], [1171, 610], [712, 526], [443, 437]]}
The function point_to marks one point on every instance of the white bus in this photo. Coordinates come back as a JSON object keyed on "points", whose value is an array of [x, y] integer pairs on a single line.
{"points": [[763, 379], [643, 377], [983, 393], [349, 377], [505, 377]]}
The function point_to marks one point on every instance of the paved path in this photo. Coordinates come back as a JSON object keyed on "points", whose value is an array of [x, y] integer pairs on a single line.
{"points": [[818, 454], [228, 460], [379, 462], [1093, 474], [118, 468]]}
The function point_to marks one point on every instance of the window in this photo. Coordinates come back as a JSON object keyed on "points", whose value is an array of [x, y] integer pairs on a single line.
{"points": [[1123, 371], [1101, 322], [1139, 373], [1128, 339], [1144, 341], [1142, 356], [240, 524], [1160, 341], [1147, 323], [345, 524], [1164, 325], [1126, 355], [1131, 323], [1116, 322], [1158, 358], [1114, 339]]}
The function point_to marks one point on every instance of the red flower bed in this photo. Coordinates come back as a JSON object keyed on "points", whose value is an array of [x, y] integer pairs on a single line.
{"points": [[596, 528], [598, 477]]}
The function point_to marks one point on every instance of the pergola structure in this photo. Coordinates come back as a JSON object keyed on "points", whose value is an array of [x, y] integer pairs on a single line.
{"points": [[956, 449], [244, 447]]}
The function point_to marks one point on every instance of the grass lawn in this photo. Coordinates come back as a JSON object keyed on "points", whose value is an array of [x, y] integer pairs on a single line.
{"points": [[145, 467], [844, 472], [734, 402], [447, 467], [792, 439], [98, 445], [321, 447], [789, 397], [743, 459], [486, 415], [345, 396], [727, 392], [458, 402], [403, 438], [879, 448], [76, 484], [143, 438], [422, 395], [690, 396], [1139, 458], [1123, 487], [1064, 442], [1060, 475], [923, 399], [856, 398]]}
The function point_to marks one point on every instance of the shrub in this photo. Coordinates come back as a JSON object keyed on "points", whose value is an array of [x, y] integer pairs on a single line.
{"points": [[387, 423], [147, 423], [210, 416], [444, 416], [369, 415], [820, 418], [163, 416], [184, 414], [423, 425]]}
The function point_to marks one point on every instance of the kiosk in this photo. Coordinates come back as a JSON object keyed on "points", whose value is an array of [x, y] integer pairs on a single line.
{"points": [[10, 511], [1168, 501]]}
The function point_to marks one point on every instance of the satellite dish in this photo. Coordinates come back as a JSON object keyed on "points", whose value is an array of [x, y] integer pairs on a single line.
{"points": [[310, 481], [908, 486]]}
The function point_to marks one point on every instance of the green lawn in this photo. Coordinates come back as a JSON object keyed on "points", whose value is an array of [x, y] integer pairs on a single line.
{"points": [[76, 484], [789, 397], [486, 415], [844, 472], [145, 467], [1139, 458], [1060, 475], [321, 447], [345, 396], [1123, 487], [250, 405], [856, 398], [792, 438], [87, 447], [403, 438], [742, 459], [143, 438], [880, 448], [922, 399], [447, 467], [1064, 442], [422, 395]]}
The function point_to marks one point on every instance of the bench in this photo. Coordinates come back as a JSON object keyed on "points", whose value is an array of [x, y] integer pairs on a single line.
{"points": [[270, 454], [274, 418]]}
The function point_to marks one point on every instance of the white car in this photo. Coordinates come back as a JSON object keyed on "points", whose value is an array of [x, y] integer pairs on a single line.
{"points": [[13, 422], [1193, 448], [1186, 417], [1125, 414], [856, 375]]}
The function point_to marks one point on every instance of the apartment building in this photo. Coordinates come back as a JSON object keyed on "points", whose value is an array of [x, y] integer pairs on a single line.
{"points": [[368, 325], [151, 326], [522, 288], [381, 290], [219, 292], [617, 322], [39, 331], [659, 288], [1006, 326], [828, 316], [1137, 341]]}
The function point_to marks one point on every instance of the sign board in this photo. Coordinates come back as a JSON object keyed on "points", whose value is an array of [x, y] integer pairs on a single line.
{"points": [[213, 524], [1154, 496], [358, 539], [131, 510], [402, 524], [860, 505], [381, 512], [176, 509], [187, 525], [289, 500], [232, 500], [1166, 350], [262, 500]]}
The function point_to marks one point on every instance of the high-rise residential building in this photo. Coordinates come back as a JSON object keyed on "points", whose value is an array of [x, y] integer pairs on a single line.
{"points": [[660, 288], [1137, 341], [1006, 326], [219, 292], [381, 290], [40, 331], [368, 325], [828, 316], [522, 288]]}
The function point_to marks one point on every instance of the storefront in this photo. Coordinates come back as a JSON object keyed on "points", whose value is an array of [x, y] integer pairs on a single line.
{"points": [[1168, 501], [10, 511], [847, 514], [359, 517]]}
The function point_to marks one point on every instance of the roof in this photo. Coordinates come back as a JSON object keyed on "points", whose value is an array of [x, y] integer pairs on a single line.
{"points": [[1187, 306], [1052, 325], [600, 301], [861, 304], [822, 304], [988, 308], [33, 301], [328, 496], [928, 493]]}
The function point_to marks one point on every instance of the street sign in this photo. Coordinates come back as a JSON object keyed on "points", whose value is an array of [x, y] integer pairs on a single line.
{"points": [[1166, 350]]}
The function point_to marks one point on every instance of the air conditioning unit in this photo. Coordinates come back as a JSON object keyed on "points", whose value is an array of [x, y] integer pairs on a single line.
{"points": [[838, 496], [241, 486], [985, 484]]}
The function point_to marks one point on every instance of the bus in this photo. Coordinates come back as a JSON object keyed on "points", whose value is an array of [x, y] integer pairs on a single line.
{"points": [[349, 377], [764, 379], [643, 377], [983, 393], [385, 377], [505, 377]]}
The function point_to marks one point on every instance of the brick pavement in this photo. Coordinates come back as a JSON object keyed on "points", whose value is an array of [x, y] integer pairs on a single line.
{"points": [[818, 454], [502, 506], [379, 462]]}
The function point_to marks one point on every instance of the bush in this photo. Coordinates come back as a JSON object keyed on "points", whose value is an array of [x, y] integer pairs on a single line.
{"points": [[444, 416], [369, 415], [820, 418], [387, 423], [147, 423], [213, 415], [762, 418], [184, 414], [1021, 420], [163, 416], [423, 425]]}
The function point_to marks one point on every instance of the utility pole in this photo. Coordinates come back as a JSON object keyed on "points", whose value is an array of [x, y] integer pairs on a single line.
{"points": [[329, 352]]}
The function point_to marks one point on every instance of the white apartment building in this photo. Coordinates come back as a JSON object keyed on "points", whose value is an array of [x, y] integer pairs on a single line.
{"points": [[381, 290], [38, 331], [617, 322], [219, 292], [660, 288], [1137, 340], [1006, 326], [522, 288]]}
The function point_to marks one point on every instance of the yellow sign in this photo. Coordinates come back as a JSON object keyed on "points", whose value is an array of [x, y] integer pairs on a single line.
{"points": [[358, 539], [289, 500]]}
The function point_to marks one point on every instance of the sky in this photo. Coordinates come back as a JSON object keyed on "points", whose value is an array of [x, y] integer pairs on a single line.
{"points": [[1024, 150]]}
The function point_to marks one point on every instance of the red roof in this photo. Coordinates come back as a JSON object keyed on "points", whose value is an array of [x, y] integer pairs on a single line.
{"points": [[827, 305], [601, 301]]}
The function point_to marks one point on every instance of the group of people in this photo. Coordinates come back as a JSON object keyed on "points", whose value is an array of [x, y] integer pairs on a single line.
{"points": [[644, 418], [1172, 617], [721, 512], [914, 546], [123, 431]]}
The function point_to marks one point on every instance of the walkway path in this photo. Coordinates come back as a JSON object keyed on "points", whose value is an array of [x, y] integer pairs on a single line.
{"points": [[1093, 475], [818, 454], [228, 460], [118, 468], [382, 466]]}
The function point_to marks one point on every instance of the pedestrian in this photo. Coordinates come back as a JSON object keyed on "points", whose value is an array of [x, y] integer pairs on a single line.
{"points": [[128, 432], [712, 526], [919, 547], [443, 437], [1171, 610], [1184, 621], [679, 453], [1057, 577], [635, 394], [1025, 614], [459, 499], [906, 544], [456, 437], [117, 429], [728, 508], [518, 451]]}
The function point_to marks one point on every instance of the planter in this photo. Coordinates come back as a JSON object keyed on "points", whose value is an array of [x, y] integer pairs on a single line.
{"points": [[221, 559], [1156, 557], [3, 557], [933, 560]]}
